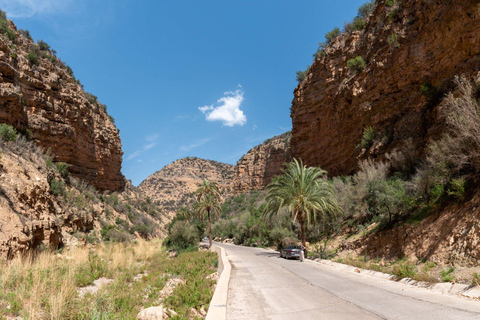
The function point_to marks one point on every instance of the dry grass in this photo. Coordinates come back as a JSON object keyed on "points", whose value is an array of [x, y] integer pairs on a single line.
{"points": [[46, 286]]}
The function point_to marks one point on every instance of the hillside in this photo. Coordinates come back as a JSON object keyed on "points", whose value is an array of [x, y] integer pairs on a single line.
{"points": [[256, 169], [42, 206], [173, 186], [382, 108], [41, 98]]}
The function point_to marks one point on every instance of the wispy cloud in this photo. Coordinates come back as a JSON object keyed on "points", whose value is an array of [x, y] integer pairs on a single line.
{"points": [[29, 8], [196, 144], [150, 138], [228, 109]]}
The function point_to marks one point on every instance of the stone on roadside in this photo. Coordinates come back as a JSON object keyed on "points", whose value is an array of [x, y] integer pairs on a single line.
{"points": [[152, 313]]}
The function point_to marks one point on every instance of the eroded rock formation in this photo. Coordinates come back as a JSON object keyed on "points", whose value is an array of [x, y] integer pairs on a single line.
{"points": [[412, 51], [47, 103], [174, 185], [256, 169]]}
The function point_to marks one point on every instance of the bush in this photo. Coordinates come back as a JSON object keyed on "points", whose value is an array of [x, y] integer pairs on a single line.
{"points": [[369, 135], [366, 9], [182, 236], [8, 133], [331, 35], [32, 58], [405, 270], [357, 64], [62, 168], [57, 187], [26, 34], [393, 40], [301, 75], [43, 45]]}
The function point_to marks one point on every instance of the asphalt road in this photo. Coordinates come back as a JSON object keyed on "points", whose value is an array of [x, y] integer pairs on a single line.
{"points": [[265, 286]]}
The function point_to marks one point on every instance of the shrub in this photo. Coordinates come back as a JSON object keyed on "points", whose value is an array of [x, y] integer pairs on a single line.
{"points": [[446, 274], [457, 188], [182, 236], [7, 132], [393, 40], [390, 3], [43, 45], [57, 187], [405, 270], [366, 9], [357, 64], [331, 35], [26, 34], [62, 168], [369, 135], [32, 58], [301, 75]]}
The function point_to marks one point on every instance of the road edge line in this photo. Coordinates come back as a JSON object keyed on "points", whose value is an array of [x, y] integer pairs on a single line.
{"points": [[218, 305]]}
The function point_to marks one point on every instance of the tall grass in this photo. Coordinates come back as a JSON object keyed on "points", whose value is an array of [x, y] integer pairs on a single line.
{"points": [[46, 286]]}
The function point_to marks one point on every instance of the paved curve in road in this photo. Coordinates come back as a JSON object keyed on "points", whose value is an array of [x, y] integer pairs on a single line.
{"points": [[264, 286]]}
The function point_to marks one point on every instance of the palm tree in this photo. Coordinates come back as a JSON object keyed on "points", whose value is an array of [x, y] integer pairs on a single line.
{"points": [[184, 214], [208, 197], [306, 197]]}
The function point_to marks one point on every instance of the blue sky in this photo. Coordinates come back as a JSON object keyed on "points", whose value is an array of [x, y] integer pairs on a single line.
{"points": [[202, 78]]}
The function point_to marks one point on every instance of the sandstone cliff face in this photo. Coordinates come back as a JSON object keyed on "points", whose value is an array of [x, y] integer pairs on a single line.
{"points": [[174, 185], [46, 101], [256, 169], [40, 209], [411, 54]]}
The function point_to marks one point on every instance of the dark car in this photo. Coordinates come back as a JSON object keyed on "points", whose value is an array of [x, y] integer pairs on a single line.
{"points": [[290, 252]]}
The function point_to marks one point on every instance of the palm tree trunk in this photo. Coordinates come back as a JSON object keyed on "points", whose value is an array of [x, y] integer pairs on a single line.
{"points": [[302, 228], [209, 229]]}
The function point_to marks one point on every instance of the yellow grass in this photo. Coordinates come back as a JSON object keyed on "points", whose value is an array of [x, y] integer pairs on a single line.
{"points": [[44, 286]]}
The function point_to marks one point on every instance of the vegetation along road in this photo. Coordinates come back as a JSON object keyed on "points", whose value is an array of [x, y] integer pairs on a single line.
{"points": [[265, 286]]}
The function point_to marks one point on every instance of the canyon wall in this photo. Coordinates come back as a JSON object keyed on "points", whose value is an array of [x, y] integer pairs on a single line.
{"points": [[256, 169], [44, 101], [412, 51]]}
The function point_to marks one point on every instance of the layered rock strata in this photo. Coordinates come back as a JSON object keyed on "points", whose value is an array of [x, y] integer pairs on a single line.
{"points": [[256, 169], [412, 51], [45, 101]]}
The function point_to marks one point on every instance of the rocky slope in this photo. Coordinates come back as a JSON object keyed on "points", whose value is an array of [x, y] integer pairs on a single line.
{"points": [[40, 96], [174, 185], [255, 170], [41, 207], [412, 51]]}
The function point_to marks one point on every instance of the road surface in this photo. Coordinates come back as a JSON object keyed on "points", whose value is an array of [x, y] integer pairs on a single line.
{"points": [[264, 286]]}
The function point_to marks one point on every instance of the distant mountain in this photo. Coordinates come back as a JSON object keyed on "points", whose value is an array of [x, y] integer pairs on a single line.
{"points": [[174, 185]]}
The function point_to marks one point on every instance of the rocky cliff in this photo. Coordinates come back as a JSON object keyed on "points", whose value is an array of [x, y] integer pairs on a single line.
{"points": [[42, 207], [411, 51], [40, 96], [174, 185], [255, 170]]}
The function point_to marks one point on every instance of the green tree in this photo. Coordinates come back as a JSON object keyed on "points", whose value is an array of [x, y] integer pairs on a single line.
{"points": [[184, 214], [208, 198], [304, 193]]}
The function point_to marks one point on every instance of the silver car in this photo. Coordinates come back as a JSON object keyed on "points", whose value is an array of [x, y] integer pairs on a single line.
{"points": [[290, 252]]}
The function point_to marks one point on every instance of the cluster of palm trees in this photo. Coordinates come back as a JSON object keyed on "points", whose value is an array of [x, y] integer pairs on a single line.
{"points": [[301, 190]]}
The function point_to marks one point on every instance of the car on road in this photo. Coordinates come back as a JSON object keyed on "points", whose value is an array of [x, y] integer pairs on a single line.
{"points": [[290, 252]]}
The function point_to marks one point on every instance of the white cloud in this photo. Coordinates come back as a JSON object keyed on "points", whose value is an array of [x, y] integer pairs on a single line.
{"points": [[149, 138], [29, 8], [196, 144], [228, 109]]}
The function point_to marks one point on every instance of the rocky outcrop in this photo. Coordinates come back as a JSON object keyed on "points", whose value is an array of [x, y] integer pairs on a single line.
{"points": [[256, 169], [174, 185], [40, 209], [412, 51], [46, 102]]}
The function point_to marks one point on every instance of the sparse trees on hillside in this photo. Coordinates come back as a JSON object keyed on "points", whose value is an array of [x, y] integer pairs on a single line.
{"points": [[304, 193], [208, 198]]}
